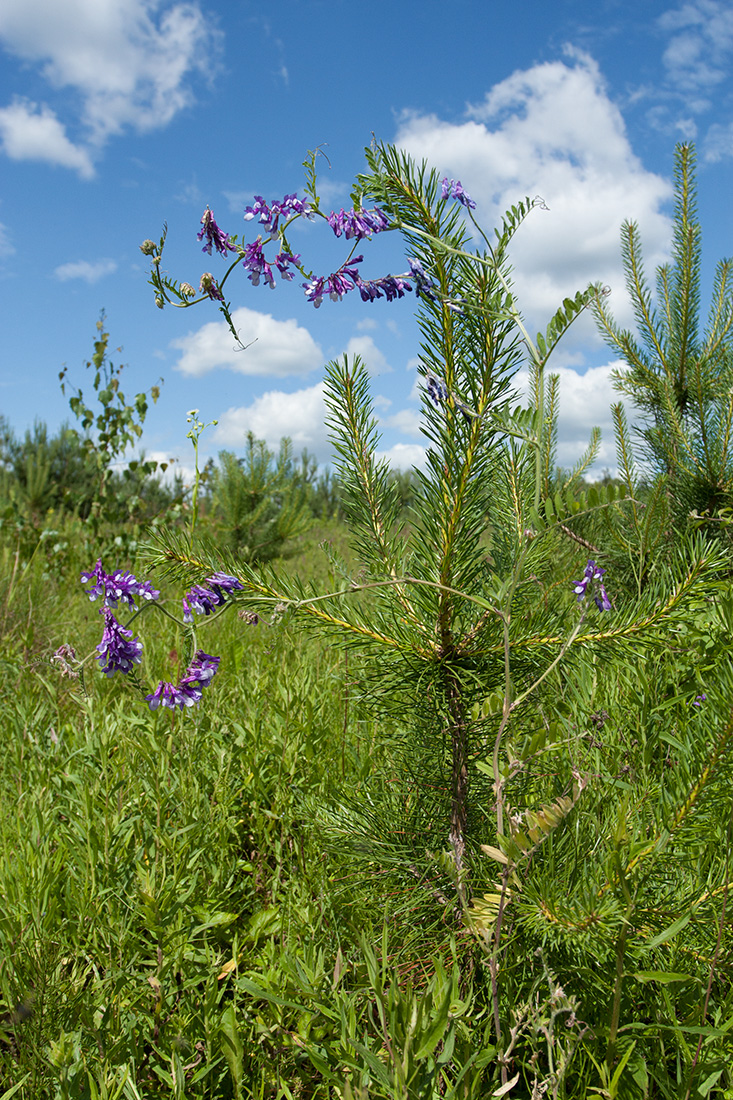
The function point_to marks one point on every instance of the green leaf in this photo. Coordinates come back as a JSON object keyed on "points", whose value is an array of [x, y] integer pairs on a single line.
{"points": [[670, 932]]}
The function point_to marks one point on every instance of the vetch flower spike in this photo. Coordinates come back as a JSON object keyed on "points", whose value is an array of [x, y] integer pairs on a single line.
{"points": [[116, 652], [591, 574], [453, 189], [214, 236], [117, 586]]}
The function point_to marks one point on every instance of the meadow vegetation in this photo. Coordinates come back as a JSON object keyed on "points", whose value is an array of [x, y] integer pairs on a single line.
{"points": [[454, 817]]}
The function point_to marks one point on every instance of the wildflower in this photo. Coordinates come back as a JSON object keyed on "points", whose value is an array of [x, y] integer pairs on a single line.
{"points": [[269, 216], [602, 601], [389, 286], [170, 695], [436, 391], [203, 600], [188, 692], [208, 286], [336, 285], [454, 189], [424, 286], [117, 586], [591, 574], [148, 248], [187, 290], [202, 669], [699, 700], [282, 260], [258, 267], [214, 235], [116, 654], [358, 223]]}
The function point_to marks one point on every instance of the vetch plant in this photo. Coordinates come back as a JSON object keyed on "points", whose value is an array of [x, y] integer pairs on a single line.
{"points": [[119, 651]]}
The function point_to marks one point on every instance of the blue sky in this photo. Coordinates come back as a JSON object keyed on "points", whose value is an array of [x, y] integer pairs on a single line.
{"points": [[119, 115]]}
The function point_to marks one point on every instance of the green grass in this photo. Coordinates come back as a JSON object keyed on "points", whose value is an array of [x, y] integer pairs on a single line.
{"points": [[219, 904]]}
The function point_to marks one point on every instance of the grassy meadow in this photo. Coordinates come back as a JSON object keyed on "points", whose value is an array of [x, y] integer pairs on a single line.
{"points": [[246, 900]]}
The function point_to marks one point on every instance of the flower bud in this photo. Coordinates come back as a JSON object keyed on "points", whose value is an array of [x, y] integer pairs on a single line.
{"points": [[187, 290], [148, 248]]}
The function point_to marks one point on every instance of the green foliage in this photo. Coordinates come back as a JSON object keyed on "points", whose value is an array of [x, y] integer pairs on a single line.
{"points": [[679, 374], [261, 500], [108, 432]]}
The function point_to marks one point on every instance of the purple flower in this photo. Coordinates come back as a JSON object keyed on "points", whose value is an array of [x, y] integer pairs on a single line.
{"points": [[214, 235], [203, 600], [336, 285], [358, 223], [170, 695], [591, 574], [454, 189], [389, 286], [424, 286], [699, 700], [208, 285], [282, 260], [116, 653], [436, 390], [188, 692], [269, 216], [602, 601], [258, 267], [202, 669], [117, 586]]}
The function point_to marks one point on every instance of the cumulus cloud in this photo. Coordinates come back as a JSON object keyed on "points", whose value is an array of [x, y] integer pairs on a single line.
{"points": [[30, 132], [697, 57], [129, 61], [83, 269], [552, 130], [369, 353], [300, 415], [403, 456], [585, 403], [274, 348]]}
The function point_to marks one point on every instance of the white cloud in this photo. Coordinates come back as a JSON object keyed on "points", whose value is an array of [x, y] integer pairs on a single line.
{"points": [[30, 132], [369, 353], [299, 415], [83, 269], [697, 56], [274, 348], [403, 456], [130, 61], [585, 403], [406, 421], [552, 130]]}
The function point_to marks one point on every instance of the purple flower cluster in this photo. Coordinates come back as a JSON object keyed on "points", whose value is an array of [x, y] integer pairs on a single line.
{"points": [[189, 690], [699, 700], [269, 215], [436, 390], [389, 287], [424, 285], [334, 285], [358, 224], [118, 650], [204, 598], [117, 586], [453, 189], [258, 267], [592, 574], [214, 236]]}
